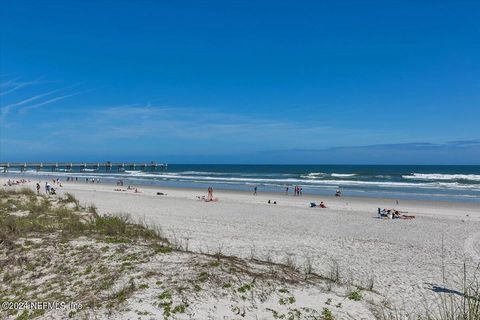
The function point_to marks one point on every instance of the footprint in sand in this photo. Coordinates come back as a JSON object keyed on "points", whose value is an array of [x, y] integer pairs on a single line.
{"points": [[472, 246]]}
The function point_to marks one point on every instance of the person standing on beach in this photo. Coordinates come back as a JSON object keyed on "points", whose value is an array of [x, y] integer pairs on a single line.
{"points": [[286, 191], [255, 191], [38, 187]]}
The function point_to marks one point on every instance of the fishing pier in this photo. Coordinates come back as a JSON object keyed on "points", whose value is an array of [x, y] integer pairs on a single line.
{"points": [[86, 166]]}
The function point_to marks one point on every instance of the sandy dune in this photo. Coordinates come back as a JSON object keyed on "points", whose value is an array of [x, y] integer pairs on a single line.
{"points": [[404, 258]]}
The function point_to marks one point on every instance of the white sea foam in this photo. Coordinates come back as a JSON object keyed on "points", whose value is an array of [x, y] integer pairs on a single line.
{"points": [[316, 174], [140, 175], [133, 172], [433, 185], [202, 173], [313, 175], [439, 176], [343, 175]]}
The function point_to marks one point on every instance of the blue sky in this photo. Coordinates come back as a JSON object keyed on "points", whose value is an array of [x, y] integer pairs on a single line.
{"points": [[240, 81]]}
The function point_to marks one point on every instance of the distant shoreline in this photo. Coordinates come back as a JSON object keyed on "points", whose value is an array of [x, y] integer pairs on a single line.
{"points": [[151, 190]]}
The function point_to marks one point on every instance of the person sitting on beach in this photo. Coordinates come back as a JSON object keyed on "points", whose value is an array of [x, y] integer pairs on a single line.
{"points": [[210, 194], [322, 205], [209, 197], [395, 214]]}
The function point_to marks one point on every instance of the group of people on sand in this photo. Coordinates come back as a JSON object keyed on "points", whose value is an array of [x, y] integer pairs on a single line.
{"points": [[209, 197], [11, 183], [297, 191], [393, 214], [320, 205], [135, 189], [49, 189]]}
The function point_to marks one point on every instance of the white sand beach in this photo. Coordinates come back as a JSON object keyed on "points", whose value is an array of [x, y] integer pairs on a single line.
{"points": [[403, 258]]}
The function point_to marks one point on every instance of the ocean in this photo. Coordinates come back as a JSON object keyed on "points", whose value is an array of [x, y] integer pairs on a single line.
{"points": [[448, 183]]}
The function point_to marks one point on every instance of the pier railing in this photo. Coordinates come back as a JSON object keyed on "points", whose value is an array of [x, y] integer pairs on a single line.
{"points": [[106, 166]]}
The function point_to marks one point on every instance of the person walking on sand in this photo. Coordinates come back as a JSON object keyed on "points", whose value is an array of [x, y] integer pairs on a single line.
{"points": [[255, 191]]}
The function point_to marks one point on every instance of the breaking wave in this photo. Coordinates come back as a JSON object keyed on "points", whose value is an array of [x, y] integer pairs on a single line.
{"points": [[439, 176]]}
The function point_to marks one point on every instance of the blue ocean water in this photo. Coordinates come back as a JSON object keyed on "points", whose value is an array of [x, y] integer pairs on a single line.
{"points": [[450, 183]]}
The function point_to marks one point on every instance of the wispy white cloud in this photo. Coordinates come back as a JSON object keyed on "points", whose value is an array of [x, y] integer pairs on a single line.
{"points": [[173, 128], [6, 109], [14, 85], [14, 88], [50, 101]]}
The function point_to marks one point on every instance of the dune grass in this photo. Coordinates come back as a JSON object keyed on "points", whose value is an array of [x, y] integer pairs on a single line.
{"points": [[44, 215]]}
